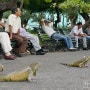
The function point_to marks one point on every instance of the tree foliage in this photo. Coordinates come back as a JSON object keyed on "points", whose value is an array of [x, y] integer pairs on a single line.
{"points": [[75, 6], [48, 0], [25, 16]]}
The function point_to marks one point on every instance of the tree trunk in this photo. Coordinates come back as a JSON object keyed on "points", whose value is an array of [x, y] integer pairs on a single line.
{"points": [[85, 16], [0, 1], [86, 24], [21, 5], [58, 16], [87, 20], [7, 6], [73, 18]]}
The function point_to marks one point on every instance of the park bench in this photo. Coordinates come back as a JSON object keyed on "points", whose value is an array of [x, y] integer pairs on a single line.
{"points": [[49, 43]]}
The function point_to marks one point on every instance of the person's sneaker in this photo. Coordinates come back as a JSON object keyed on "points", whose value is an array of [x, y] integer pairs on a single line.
{"points": [[72, 48], [65, 49], [44, 50], [18, 54], [78, 48], [85, 48], [39, 52]]}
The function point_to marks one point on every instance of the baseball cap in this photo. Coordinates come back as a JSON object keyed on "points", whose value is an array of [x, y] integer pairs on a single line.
{"points": [[46, 21]]}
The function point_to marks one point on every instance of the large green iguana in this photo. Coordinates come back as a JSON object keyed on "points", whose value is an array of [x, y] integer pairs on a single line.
{"points": [[81, 63], [22, 75], [2, 67]]}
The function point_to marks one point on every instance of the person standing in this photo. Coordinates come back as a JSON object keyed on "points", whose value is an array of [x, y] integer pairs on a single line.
{"points": [[13, 25]]}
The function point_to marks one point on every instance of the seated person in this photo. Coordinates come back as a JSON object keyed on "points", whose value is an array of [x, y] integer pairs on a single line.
{"points": [[87, 31], [54, 35], [12, 26], [6, 45], [34, 40], [77, 32]]}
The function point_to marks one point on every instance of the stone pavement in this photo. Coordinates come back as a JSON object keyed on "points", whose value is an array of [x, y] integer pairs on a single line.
{"points": [[51, 75]]}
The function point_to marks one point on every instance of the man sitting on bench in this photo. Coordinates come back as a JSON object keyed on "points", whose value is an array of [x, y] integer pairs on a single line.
{"points": [[34, 40], [77, 33], [54, 35]]}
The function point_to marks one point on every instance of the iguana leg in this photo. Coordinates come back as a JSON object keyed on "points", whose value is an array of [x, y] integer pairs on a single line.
{"points": [[81, 65], [29, 78]]}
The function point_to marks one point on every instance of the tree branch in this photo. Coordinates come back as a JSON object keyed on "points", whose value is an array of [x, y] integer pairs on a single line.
{"points": [[7, 6]]}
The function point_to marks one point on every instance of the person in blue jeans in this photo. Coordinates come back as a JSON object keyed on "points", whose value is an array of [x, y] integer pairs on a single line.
{"points": [[54, 35], [87, 31]]}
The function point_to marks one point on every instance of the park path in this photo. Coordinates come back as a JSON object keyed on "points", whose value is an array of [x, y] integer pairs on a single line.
{"points": [[51, 75]]}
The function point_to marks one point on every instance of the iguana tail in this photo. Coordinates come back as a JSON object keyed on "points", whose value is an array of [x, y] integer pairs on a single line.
{"points": [[34, 67], [4, 78], [66, 64]]}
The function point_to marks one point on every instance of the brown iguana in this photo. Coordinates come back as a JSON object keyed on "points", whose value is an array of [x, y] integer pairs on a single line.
{"points": [[81, 63], [2, 67], [22, 75]]}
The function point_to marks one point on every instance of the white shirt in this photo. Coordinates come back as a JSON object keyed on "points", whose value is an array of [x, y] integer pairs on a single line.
{"points": [[76, 30], [48, 30], [15, 22]]}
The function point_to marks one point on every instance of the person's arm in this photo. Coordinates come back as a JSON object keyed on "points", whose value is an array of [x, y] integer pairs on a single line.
{"points": [[10, 31], [18, 33], [74, 31], [81, 33], [10, 23], [42, 22], [2, 24], [75, 34]]}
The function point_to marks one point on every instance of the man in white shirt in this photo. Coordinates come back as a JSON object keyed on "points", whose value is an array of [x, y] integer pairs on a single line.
{"points": [[13, 26], [77, 32], [54, 35]]}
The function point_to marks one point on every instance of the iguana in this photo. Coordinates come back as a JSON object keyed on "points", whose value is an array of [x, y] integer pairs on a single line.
{"points": [[2, 68], [22, 75], [81, 63]]}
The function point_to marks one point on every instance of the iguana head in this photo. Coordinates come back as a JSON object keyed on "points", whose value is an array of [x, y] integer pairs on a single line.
{"points": [[86, 59], [34, 67], [2, 67], [84, 62]]}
